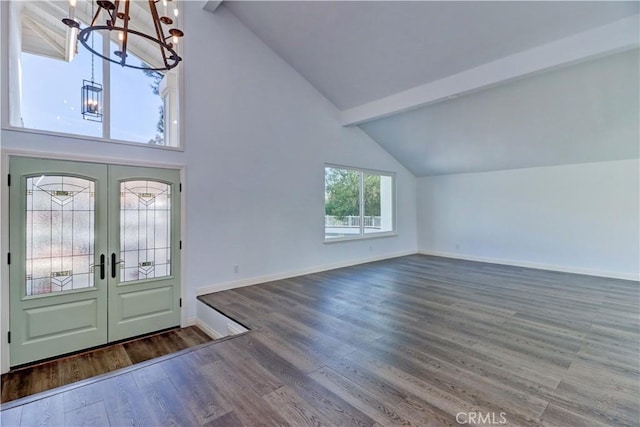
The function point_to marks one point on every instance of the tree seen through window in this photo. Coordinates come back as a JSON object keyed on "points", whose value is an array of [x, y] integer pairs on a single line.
{"points": [[343, 214]]}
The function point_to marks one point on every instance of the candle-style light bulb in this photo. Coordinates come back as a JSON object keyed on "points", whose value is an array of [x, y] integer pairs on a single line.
{"points": [[121, 40]]}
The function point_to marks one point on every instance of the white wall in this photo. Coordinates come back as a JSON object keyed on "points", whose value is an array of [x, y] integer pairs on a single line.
{"points": [[258, 136], [579, 218]]}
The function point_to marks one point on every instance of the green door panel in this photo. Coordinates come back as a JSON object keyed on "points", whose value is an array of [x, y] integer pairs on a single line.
{"points": [[60, 319], [144, 288], [55, 308]]}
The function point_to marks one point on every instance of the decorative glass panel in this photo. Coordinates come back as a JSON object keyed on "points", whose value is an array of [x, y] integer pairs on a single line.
{"points": [[145, 230], [59, 234]]}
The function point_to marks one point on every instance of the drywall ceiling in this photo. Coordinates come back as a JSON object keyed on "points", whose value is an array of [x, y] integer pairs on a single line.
{"points": [[535, 83], [357, 52]]}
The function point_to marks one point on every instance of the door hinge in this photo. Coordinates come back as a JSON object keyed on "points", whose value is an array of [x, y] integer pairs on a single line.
{"points": [[180, 244], [9, 258], [9, 337], [181, 187], [9, 180], [180, 302]]}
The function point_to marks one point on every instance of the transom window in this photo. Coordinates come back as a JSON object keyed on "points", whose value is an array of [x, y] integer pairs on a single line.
{"points": [[357, 203], [47, 68]]}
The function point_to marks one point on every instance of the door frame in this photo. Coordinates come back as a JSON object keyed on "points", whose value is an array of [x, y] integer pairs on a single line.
{"points": [[6, 155]]}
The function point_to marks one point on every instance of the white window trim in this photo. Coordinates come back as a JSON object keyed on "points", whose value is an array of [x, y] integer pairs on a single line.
{"points": [[362, 235], [106, 125]]}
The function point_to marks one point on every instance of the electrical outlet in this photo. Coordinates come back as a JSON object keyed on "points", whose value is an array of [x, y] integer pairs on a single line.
{"points": [[236, 268], [457, 246]]}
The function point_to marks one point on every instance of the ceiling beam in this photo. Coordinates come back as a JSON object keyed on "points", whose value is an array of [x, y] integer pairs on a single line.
{"points": [[212, 5], [615, 37]]}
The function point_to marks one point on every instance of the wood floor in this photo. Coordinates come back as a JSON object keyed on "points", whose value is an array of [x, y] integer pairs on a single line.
{"points": [[66, 370], [415, 340]]}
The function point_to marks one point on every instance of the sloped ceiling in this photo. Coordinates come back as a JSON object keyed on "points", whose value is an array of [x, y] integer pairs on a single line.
{"points": [[584, 113], [359, 53]]}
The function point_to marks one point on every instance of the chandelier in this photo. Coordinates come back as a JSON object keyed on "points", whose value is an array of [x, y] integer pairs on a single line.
{"points": [[116, 15]]}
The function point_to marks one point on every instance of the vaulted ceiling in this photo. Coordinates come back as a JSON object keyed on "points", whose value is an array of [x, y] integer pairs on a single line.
{"points": [[450, 87], [357, 52]]}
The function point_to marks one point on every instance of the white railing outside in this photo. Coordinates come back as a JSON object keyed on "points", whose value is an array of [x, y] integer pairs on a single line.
{"points": [[351, 221]]}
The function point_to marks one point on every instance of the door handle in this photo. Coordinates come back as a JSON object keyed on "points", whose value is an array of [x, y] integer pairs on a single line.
{"points": [[102, 267], [113, 265]]}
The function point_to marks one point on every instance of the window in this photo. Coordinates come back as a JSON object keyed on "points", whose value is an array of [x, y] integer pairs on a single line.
{"points": [[56, 107], [357, 203], [136, 94], [47, 67]]}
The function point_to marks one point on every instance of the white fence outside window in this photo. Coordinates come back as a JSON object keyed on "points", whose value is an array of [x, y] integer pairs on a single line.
{"points": [[351, 221]]}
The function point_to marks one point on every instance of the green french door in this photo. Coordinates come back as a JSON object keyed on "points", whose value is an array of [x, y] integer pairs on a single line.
{"points": [[94, 255]]}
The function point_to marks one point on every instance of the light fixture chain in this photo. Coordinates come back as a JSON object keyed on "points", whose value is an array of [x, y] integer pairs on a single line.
{"points": [[92, 35]]}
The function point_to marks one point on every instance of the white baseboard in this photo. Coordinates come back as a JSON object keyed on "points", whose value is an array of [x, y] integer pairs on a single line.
{"points": [[194, 321], [541, 266], [286, 275]]}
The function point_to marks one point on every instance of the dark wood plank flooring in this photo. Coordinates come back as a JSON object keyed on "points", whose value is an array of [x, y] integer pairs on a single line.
{"points": [[66, 370], [408, 341]]}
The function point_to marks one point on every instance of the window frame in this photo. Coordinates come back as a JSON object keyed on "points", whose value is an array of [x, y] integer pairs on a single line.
{"points": [[5, 39], [362, 235]]}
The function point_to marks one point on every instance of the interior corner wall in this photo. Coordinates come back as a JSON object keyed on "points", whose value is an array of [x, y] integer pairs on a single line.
{"points": [[257, 138], [581, 218]]}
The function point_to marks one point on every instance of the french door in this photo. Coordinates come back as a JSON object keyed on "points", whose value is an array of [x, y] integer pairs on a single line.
{"points": [[94, 255]]}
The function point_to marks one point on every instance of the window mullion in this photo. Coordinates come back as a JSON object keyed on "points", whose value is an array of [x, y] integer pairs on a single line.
{"points": [[361, 203], [106, 88]]}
